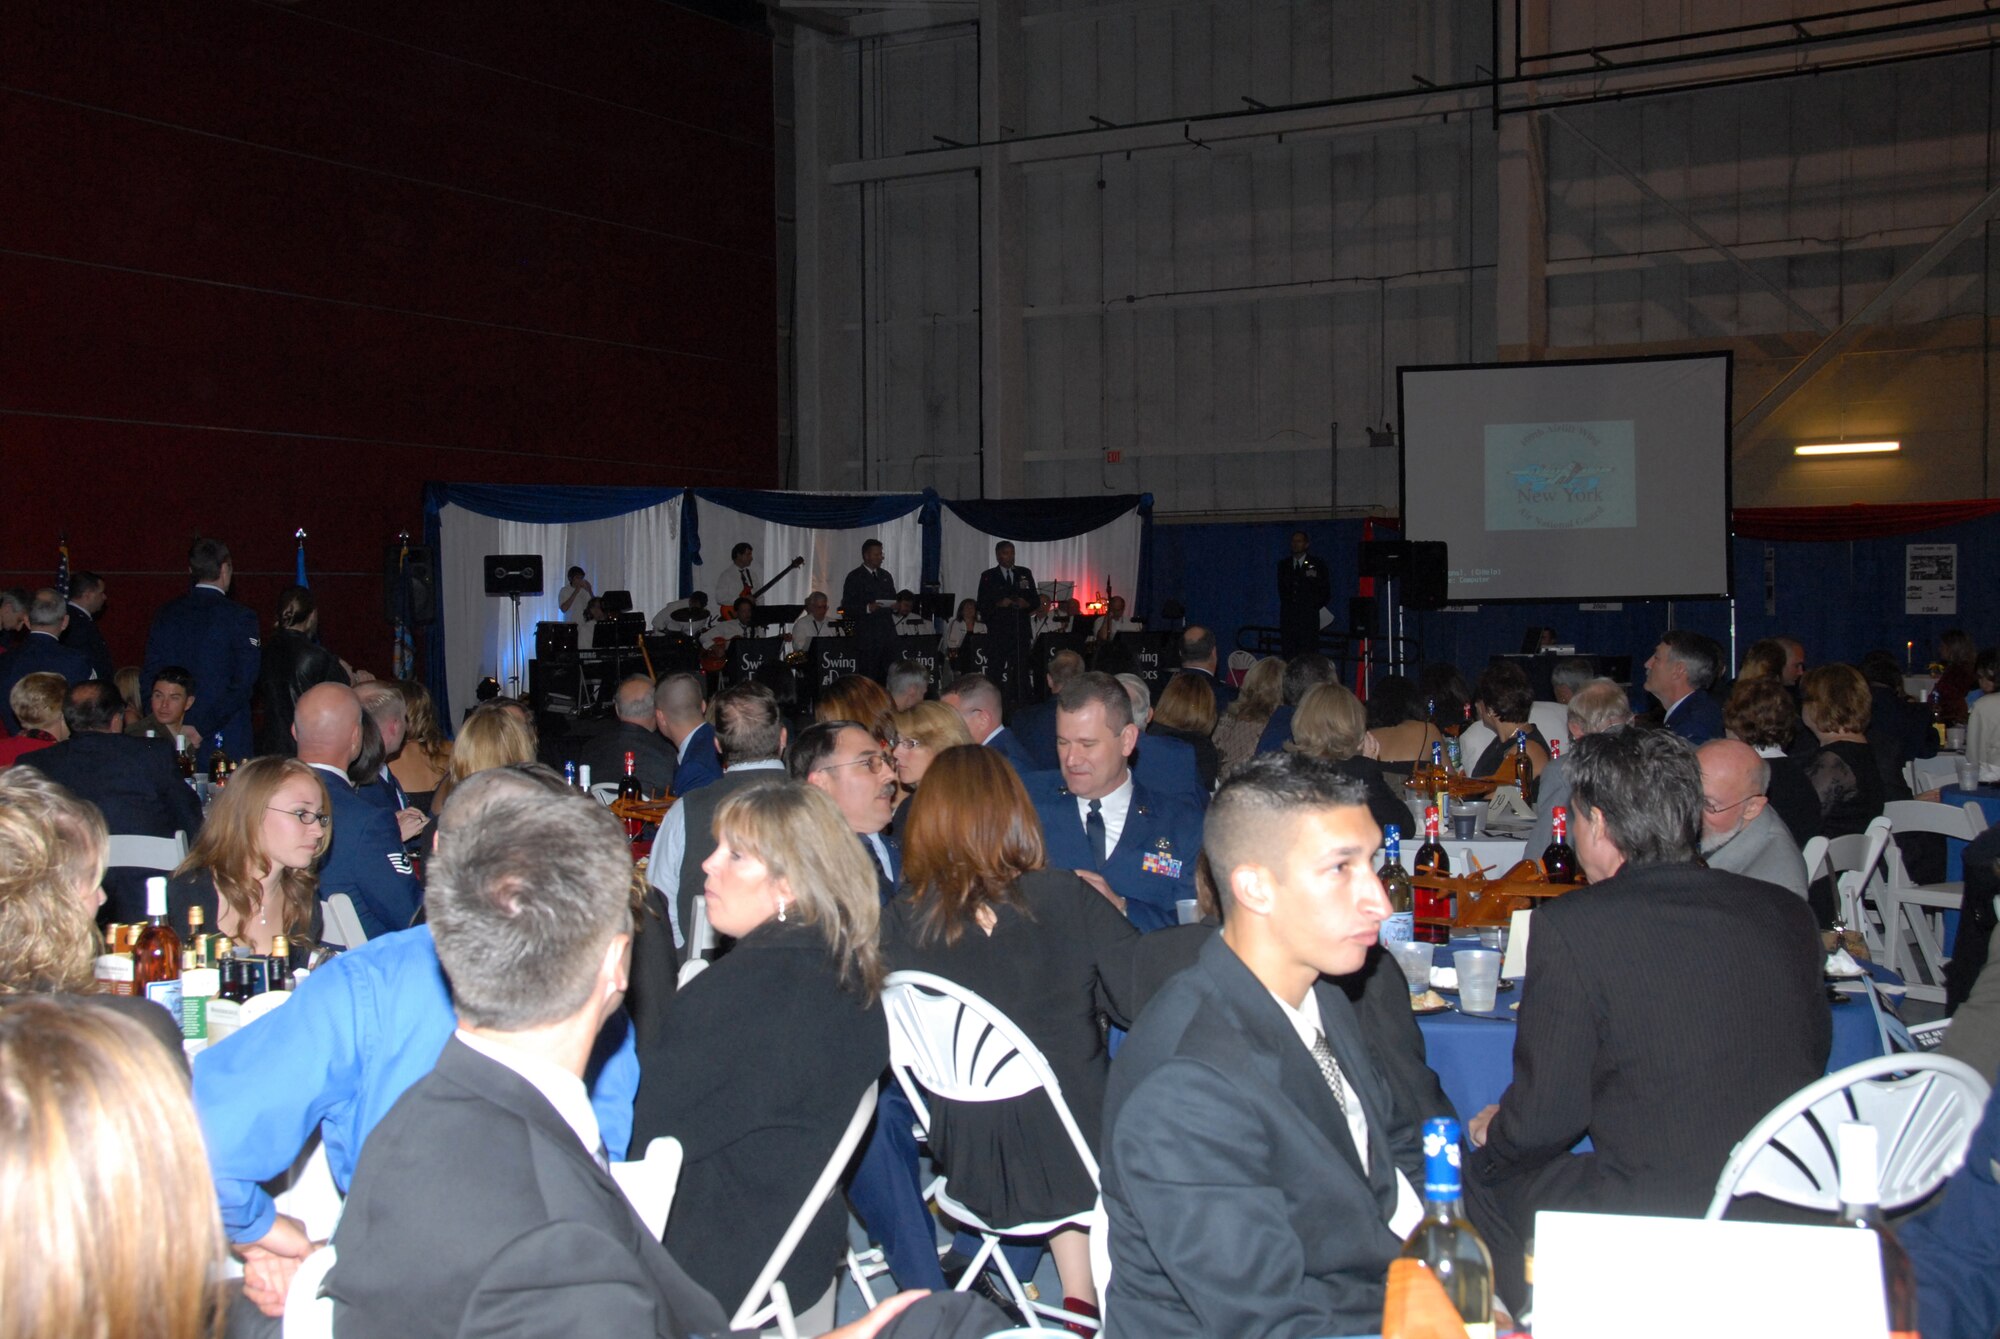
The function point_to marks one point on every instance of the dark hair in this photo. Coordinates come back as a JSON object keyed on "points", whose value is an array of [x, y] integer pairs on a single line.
{"points": [[1442, 684], [1647, 784], [1063, 666], [90, 705], [1764, 660], [740, 549], [1102, 689], [748, 725], [1197, 643], [367, 764], [1701, 656], [970, 834], [1880, 669], [206, 557], [83, 583], [1393, 699], [295, 605], [1253, 794], [172, 674], [1305, 672], [1956, 647], [868, 544], [573, 572], [815, 744], [1761, 713], [1504, 691], [1987, 667]]}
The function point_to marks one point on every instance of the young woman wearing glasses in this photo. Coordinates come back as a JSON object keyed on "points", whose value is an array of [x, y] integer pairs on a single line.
{"points": [[251, 869]]}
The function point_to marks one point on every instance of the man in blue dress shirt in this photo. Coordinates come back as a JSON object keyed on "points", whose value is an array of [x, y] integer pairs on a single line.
{"points": [[1135, 847], [215, 639]]}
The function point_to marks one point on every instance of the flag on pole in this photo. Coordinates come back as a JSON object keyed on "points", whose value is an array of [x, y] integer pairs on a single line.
{"points": [[62, 564], [403, 651], [299, 576]]}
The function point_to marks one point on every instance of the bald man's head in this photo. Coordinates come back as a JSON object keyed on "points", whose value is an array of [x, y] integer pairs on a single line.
{"points": [[1733, 782], [327, 724], [634, 703]]}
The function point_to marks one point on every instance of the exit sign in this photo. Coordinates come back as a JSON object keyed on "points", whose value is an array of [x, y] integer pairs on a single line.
{"points": [[1113, 456]]}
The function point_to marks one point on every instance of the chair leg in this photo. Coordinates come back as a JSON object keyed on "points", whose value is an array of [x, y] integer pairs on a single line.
{"points": [[991, 1247]]}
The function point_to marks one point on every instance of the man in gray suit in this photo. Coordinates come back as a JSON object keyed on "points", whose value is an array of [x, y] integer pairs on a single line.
{"points": [[1740, 832], [1598, 705], [484, 1206]]}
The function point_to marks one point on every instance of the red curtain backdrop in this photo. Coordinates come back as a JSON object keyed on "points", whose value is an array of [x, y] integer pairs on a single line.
{"points": [[1860, 520]]}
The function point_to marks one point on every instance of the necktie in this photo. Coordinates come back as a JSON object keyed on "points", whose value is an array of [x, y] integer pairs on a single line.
{"points": [[1093, 827], [1329, 1069]]}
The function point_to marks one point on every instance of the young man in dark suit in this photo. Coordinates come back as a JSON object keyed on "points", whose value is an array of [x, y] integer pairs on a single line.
{"points": [[1256, 1163], [1008, 603], [1135, 847], [1667, 1007], [483, 1204], [867, 601], [215, 639]]}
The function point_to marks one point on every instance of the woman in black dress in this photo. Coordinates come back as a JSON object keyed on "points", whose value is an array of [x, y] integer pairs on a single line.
{"points": [[985, 913], [1760, 713], [763, 1056], [1332, 725], [1835, 703], [293, 661]]}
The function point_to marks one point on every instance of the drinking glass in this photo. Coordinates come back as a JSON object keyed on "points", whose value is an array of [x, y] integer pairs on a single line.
{"points": [[1478, 979]]}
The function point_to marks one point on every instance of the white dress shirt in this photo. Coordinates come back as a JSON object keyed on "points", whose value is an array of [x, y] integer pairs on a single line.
{"points": [[564, 1090], [806, 628], [663, 869], [732, 585], [1114, 807]]}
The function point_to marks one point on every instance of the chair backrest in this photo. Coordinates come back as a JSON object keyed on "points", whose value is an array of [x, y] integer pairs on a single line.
{"points": [[948, 1041], [649, 1182], [1925, 1108], [604, 792], [1814, 855], [1552, 719], [129, 851], [340, 924], [1963, 821], [1857, 861], [307, 1314], [756, 1310]]}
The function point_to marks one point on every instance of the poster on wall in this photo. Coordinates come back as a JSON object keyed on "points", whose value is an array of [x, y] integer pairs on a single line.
{"points": [[1930, 579]]}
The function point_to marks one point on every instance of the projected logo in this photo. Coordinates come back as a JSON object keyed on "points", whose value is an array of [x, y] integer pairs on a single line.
{"points": [[1561, 476]]}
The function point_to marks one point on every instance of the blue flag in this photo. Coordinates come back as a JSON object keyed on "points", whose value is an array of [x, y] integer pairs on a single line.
{"points": [[299, 576], [62, 565]]}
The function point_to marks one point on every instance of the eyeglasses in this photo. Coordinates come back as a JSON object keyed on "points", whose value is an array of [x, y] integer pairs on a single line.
{"points": [[306, 817], [910, 742], [874, 762], [1714, 810]]}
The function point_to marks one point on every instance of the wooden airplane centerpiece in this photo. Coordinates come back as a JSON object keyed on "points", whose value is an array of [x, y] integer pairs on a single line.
{"points": [[645, 811], [1477, 902], [1428, 780]]}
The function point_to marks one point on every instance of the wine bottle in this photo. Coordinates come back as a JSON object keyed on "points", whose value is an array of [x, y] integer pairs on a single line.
{"points": [[156, 954], [218, 764], [1440, 777], [628, 789], [1524, 770], [1433, 859], [583, 777], [1559, 859], [1860, 1206], [281, 962], [1444, 1242], [569, 775], [184, 757], [1401, 926], [195, 917]]}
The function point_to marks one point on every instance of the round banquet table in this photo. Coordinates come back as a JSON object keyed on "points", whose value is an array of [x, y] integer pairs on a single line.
{"points": [[1474, 1056]]}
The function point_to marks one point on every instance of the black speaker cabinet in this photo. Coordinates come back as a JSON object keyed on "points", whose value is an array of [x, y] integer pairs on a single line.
{"points": [[555, 641], [513, 573], [1419, 566]]}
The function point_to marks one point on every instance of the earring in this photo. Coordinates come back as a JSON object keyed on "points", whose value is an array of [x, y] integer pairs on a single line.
{"points": [[781, 911]]}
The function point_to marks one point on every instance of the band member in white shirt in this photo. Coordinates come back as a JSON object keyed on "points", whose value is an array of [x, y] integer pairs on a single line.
{"points": [[963, 625], [738, 579], [812, 623]]}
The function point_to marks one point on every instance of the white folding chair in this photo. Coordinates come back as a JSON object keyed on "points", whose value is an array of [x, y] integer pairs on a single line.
{"points": [[946, 1041], [604, 792], [700, 943], [649, 1182], [130, 851], [768, 1299], [1925, 1108], [1552, 719], [1917, 910], [1860, 872], [340, 924], [307, 1314]]}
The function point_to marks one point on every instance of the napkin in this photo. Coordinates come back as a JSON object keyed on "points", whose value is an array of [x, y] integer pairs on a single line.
{"points": [[1841, 963]]}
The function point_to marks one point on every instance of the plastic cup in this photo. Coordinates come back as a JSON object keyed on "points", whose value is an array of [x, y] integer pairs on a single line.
{"points": [[1954, 737], [1414, 957], [1464, 824], [1478, 979], [1188, 909], [1968, 773]]}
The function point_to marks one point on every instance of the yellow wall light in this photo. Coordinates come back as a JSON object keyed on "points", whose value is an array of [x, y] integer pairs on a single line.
{"points": [[1847, 449]]}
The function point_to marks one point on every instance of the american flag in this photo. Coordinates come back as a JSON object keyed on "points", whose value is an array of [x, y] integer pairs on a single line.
{"points": [[403, 651], [62, 564]]}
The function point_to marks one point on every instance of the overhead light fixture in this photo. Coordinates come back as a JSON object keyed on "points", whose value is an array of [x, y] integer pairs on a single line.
{"points": [[1847, 449]]}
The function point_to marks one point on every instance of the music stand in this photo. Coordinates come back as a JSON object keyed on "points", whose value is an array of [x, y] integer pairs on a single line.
{"points": [[615, 602], [786, 614], [513, 575], [938, 604]]}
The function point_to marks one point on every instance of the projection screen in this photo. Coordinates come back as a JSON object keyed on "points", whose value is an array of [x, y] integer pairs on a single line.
{"points": [[1589, 480]]}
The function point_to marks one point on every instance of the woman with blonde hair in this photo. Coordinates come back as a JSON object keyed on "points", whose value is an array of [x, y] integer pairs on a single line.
{"points": [[425, 759], [799, 993], [853, 698], [1242, 724], [494, 735], [37, 702], [921, 734], [109, 1214], [985, 911], [52, 854], [251, 869], [1837, 707], [1332, 725]]}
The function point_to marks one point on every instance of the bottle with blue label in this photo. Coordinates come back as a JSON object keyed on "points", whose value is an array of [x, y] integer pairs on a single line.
{"points": [[1401, 926], [1444, 1242]]}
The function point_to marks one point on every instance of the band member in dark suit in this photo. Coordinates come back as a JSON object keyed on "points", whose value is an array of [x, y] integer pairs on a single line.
{"points": [[1665, 1059], [868, 601], [1256, 1161], [1303, 590], [1008, 602], [484, 1206]]}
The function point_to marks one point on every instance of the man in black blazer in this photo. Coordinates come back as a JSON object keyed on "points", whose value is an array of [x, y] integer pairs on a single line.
{"points": [[216, 640], [632, 731], [1303, 590], [482, 1204], [1256, 1163], [1034, 726], [1199, 655], [86, 602], [134, 781], [41, 651], [1008, 602], [1666, 1009], [868, 602]]}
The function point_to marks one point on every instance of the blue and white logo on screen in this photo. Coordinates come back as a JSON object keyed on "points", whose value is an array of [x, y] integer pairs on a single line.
{"points": [[1561, 476]]}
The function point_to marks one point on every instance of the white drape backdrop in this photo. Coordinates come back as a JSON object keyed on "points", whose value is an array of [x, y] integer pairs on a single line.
{"points": [[639, 551], [830, 554], [1110, 553]]}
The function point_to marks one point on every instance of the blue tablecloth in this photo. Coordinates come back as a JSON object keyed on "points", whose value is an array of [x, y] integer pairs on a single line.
{"points": [[1474, 1057], [1988, 799]]}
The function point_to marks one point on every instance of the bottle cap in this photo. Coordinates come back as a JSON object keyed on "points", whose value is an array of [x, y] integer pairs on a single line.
{"points": [[1860, 1178], [583, 776], [1392, 833], [156, 896]]}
